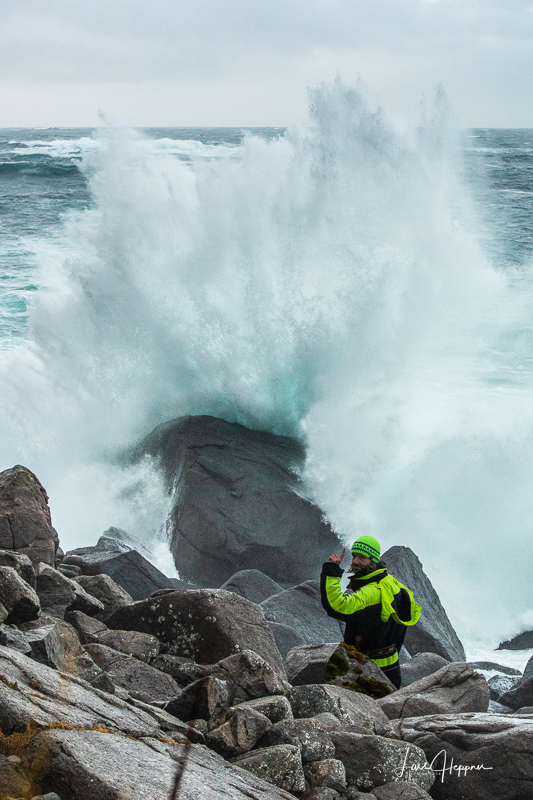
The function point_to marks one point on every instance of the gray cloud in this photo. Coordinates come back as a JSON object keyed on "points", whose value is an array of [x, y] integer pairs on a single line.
{"points": [[481, 50]]}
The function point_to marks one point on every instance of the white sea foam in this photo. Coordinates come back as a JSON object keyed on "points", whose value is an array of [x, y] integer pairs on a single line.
{"points": [[327, 284]]}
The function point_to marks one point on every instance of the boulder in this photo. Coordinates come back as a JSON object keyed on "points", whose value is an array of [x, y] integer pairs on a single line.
{"points": [[433, 632], [239, 733], [85, 626], [372, 761], [454, 688], [522, 641], [25, 523], [134, 573], [206, 698], [400, 790], [328, 773], [21, 563], [93, 765], [139, 645], [474, 756], [55, 643], [307, 663], [252, 584], [249, 676], [34, 694], [280, 765], [183, 670], [106, 590], [420, 666], [134, 675], [300, 608], [285, 637], [17, 597], [309, 735], [275, 708], [347, 706], [521, 694], [10, 636], [57, 594], [238, 503], [206, 625], [349, 668]]}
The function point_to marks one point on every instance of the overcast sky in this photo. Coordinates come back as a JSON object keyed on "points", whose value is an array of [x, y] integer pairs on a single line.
{"points": [[249, 62]]}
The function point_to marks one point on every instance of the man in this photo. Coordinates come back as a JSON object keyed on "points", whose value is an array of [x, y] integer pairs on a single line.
{"points": [[378, 611]]}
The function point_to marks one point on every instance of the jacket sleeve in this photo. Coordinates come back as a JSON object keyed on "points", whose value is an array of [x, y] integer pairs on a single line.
{"points": [[334, 601]]}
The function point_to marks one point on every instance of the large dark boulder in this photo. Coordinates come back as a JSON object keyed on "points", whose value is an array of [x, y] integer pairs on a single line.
{"points": [[238, 503], [300, 608], [25, 522], [434, 632], [205, 625]]}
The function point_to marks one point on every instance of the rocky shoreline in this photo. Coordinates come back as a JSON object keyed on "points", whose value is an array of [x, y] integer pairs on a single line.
{"points": [[117, 682]]}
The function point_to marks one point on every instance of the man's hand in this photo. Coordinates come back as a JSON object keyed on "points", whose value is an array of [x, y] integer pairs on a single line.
{"points": [[335, 559]]}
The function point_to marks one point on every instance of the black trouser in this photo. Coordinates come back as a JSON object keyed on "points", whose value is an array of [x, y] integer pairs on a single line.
{"points": [[393, 674]]}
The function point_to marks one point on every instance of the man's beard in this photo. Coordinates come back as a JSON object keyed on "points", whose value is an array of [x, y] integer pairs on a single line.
{"points": [[365, 570]]}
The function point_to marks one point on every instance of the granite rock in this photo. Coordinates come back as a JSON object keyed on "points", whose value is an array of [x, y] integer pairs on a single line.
{"points": [[17, 597], [205, 625], [454, 688], [25, 522]]}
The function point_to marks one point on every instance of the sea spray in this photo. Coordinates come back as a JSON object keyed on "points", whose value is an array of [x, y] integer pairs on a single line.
{"points": [[326, 284]]}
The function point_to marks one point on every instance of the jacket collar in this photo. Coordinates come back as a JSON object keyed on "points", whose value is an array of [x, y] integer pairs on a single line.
{"points": [[373, 577]]}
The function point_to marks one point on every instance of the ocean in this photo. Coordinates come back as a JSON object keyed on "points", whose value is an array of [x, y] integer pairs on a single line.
{"points": [[364, 287]]}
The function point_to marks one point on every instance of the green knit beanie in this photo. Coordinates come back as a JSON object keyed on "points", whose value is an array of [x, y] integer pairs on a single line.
{"points": [[367, 546]]}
